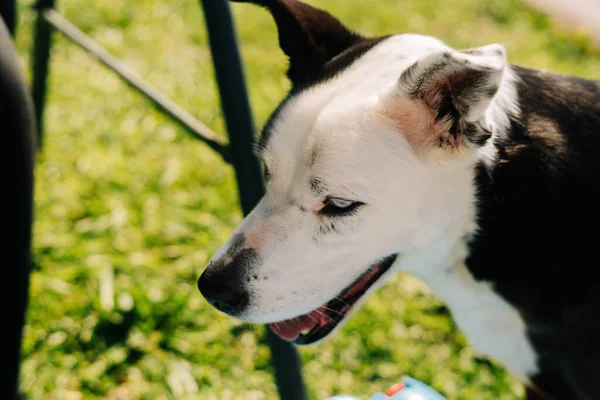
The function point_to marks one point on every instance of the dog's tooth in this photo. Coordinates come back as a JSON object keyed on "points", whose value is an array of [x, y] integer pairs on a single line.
{"points": [[305, 331]]}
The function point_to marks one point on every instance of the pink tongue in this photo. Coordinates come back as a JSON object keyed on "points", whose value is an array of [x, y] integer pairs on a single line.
{"points": [[290, 329]]}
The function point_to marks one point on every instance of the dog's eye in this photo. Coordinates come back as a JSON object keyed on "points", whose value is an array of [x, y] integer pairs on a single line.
{"points": [[340, 203], [335, 206]]}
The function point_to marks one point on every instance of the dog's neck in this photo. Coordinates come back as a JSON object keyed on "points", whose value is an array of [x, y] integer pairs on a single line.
{"points": [[494, 326], [446, 248]]}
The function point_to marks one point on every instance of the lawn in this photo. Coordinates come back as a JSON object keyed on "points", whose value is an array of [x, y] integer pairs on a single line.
{"points": [[129, 209]]}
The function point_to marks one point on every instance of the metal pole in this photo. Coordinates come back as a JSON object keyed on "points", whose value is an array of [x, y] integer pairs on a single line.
{"points": [[42, 41], [236, 110], [234, 101], [8, 12]]}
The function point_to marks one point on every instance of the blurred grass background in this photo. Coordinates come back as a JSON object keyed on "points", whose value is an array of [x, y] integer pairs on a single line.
{"points": [[129, 209]]}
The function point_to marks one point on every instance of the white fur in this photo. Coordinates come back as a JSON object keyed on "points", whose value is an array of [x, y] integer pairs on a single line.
{"points": [[417, 205]]}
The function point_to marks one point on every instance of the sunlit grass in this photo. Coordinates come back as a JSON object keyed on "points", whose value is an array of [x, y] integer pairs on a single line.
{"points": [[129, 209]]}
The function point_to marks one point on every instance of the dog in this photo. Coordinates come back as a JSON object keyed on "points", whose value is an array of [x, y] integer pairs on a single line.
{"points": [[480, 177]]}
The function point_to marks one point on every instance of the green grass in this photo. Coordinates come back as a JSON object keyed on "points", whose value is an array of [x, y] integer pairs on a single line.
{"points": [[129, 209]]}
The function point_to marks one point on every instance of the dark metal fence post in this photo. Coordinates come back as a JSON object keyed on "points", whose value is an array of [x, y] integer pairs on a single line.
{"points": [[42, 41], [8, 12], [18, 143], [236, 110]]}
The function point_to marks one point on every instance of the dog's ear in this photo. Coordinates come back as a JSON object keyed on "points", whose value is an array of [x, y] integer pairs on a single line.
{"points": [[442, 98], [308, 36]]}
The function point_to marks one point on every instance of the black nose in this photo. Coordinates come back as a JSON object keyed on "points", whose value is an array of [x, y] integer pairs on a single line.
{"points": [[224, 290]]}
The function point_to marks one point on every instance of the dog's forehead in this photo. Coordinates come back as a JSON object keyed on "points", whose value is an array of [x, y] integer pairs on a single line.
{"points": [[310, 120]]}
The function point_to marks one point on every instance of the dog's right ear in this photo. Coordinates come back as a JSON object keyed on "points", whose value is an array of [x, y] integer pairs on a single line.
{"points": [[308, 36], [442, 98]]}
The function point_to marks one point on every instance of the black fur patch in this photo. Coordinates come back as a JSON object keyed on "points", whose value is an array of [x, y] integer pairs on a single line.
{"points": [[310, 37], [539, 216]]}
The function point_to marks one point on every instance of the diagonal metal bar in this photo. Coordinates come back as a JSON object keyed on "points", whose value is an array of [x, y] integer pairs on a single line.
{"points": [[238, 117], [163, 102]]}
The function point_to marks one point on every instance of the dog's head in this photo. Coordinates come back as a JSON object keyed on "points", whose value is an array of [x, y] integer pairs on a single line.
{"points": [[369, 166]]}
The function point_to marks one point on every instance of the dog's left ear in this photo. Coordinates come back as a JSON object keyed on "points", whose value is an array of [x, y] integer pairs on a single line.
{"points": [[308, 36], [442, 98]]}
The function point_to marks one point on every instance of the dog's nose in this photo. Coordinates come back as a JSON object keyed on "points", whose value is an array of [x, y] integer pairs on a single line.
{"points": [[224, 291]]}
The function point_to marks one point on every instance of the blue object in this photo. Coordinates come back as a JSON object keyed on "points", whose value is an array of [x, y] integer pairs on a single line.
{"points": [[411, 389]]}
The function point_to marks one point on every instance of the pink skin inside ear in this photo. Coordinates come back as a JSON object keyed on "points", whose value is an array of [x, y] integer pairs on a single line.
{"points": [[417, 122]]}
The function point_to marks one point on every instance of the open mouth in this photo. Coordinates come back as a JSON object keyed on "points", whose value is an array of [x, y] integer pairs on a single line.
{"points": [[315, 325]]}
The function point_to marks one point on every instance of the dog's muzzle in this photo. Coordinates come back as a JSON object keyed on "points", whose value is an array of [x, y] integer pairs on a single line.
{"points": [[224, 291], [223, 285]]}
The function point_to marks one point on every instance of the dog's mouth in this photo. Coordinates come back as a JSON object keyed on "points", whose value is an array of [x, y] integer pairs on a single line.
{"points": [[315, 325]]}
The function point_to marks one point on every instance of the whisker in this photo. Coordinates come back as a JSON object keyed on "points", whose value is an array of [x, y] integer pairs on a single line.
{"points": [[313, 318], [335, 311], [342, 300], [326, 316]]}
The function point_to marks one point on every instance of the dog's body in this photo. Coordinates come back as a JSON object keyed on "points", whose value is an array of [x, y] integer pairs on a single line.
{"points": [[538, 211], [404, 154]]}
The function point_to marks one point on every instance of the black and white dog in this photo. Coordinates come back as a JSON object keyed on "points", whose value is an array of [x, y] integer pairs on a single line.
{"points": [[401, 153]]}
